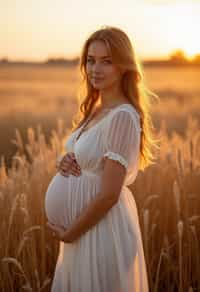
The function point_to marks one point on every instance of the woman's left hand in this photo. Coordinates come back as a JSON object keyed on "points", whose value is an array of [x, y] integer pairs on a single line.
{"points": [[59, 233]]}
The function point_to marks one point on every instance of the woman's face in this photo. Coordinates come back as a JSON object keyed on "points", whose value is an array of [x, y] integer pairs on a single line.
{"points": [[102, 73]]}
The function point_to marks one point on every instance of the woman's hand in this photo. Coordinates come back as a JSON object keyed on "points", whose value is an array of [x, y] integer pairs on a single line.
{"points": [[59, 233], [68, 165]]}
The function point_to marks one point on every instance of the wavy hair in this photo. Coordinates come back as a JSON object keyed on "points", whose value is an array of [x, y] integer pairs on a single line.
{"points": [[132, 85]]}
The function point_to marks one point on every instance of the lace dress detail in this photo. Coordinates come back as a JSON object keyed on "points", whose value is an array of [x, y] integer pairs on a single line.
{"points": [[117, 157], [122, 138]]}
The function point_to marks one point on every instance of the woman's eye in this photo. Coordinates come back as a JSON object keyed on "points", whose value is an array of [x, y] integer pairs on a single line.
{"points": [[108, 61], [105, 61], [89, 60]]}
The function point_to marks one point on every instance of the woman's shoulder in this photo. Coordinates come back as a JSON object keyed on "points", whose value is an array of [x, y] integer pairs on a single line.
{"points": [[122, 117], [125, 108]]}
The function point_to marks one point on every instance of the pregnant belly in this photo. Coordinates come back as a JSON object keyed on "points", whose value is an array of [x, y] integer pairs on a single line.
{"points": [[66, 197]]}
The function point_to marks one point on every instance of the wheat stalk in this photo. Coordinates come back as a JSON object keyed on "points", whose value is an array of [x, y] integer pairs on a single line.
{"points": [[18, 265], [180, 233], [177, 196]]}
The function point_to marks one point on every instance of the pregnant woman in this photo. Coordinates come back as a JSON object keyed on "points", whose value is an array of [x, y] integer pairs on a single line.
{"points": [[90, 209]]}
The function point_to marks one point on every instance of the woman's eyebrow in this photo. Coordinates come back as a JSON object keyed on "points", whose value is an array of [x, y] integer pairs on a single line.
{"points": [[100, 57]]}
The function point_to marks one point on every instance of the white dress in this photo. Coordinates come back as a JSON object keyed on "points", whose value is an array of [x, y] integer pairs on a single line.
{"points": [[109, 257]]}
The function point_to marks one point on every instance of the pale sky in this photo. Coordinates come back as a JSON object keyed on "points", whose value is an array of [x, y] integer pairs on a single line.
{"points": [[36, 30]]}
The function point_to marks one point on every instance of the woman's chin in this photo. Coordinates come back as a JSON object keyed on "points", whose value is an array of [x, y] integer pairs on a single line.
{"points": [[98, 86]]}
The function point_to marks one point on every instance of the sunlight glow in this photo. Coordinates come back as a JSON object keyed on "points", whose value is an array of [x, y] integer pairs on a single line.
{"points": [[45, 29], [183, 27]]}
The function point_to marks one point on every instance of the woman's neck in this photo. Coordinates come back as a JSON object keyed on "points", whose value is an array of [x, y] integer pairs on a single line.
{"points": [[112, 102]]}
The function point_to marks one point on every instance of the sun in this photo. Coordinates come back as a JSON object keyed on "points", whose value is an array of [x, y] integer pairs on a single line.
{"points": [[191, 51], [187, 34], [182, 28]]}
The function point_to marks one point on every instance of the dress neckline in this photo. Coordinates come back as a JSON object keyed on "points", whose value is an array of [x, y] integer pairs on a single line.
{"points": [[100, 121]]}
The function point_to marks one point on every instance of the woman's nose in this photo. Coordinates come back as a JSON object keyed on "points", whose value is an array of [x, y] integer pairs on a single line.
{"points": [[96, 69]]}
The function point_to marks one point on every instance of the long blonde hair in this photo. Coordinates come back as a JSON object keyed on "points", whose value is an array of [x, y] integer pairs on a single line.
{"points": [[118, 43]]}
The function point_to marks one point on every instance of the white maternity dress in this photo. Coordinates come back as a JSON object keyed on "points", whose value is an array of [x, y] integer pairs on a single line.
{"points": [[109, 257]]}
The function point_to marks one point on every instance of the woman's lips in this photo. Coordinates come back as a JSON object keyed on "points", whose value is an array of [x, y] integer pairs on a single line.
{"points": [[97, 79]]}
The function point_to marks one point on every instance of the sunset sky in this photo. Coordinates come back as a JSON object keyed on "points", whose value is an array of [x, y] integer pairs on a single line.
{"points": [[36, 30]]}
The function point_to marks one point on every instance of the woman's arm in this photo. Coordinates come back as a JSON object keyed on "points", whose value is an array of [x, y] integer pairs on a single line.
{"points": [[121, 148], [112, 181]]}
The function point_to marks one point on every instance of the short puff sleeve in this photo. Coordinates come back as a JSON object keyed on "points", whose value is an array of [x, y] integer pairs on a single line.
{"points": [[122, 137]]}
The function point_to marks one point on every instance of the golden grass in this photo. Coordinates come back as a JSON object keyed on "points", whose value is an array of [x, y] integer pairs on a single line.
{"points": [[27, 252], [168, 198]]}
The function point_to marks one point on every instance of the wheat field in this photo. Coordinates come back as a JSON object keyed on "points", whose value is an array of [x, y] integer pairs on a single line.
{"points": [[37, 105]]}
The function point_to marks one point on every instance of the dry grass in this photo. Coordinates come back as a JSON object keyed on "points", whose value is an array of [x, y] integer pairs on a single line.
{"points": [[167, 195], [27, 255], [168, 198]]}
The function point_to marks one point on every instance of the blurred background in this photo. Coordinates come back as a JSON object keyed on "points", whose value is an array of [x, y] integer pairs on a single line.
{"points": [[39, 54], [40, 45]]}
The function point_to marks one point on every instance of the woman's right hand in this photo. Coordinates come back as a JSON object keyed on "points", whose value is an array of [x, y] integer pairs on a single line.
{"points": [[68, 165]]}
